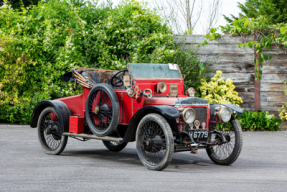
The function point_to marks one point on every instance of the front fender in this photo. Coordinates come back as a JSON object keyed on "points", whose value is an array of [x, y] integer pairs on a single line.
{"points": [[63, 113], [234, 109], [168, 112]]}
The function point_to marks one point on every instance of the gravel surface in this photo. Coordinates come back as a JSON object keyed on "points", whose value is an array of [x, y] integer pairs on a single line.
{"points": [[87, 166]]}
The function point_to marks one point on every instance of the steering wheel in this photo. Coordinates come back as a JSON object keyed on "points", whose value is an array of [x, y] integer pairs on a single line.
{"points": [[116, 80]]}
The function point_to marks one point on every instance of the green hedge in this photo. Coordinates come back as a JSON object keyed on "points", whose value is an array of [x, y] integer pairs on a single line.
{"points": [[256, 121], [39, 44]]}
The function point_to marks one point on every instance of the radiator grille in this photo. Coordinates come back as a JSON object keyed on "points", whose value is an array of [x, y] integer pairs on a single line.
{"points": [[200, 115]]}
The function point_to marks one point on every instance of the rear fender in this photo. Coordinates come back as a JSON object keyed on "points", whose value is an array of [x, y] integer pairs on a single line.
{"points": [[61, 108], [168, 112]]}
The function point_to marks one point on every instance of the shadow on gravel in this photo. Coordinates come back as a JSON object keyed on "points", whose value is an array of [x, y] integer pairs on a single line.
{"points": [[130, 157], [123, 156]]}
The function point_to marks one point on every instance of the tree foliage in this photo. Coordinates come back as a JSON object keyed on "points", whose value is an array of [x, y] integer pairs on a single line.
{"points": [[18, 4], [40, 43], [273, 10], [265, 20]]}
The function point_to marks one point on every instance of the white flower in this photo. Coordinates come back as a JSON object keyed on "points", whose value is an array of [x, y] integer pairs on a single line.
{"points": [[1, 49]]}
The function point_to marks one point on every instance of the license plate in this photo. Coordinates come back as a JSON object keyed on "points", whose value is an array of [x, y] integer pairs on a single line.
{"points": [[202, 135]]}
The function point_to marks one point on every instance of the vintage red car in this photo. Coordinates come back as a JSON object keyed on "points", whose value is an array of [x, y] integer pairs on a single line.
{"points": [[145, 103]]}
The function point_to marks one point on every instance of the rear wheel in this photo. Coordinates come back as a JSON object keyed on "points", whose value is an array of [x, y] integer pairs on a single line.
{"points": [[114, 145], [154, 142], [226, 153], [50, 132]]}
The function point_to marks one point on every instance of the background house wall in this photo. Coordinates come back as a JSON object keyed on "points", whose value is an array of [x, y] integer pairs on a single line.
{"points": [[238, 65]]}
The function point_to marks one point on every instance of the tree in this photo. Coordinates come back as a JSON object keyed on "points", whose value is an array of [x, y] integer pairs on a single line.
{"points": [[274, 11], [17, 4], [186, 15]]}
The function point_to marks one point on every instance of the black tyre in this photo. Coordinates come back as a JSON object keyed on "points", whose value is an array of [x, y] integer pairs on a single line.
{"points": [[102, 110], [154, 142], [114, 145], [227, 153], [50, 132]]}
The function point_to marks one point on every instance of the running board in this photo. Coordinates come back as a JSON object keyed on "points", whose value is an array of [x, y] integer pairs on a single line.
{"points": [[91, 136]]}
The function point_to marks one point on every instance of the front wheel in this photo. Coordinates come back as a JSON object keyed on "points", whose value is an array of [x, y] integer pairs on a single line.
{"points": [[154, 142], [50, 132], [226, 153]]}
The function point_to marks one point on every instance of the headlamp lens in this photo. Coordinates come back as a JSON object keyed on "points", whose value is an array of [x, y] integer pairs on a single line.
{"points": [[226, 114], [189, 116]]}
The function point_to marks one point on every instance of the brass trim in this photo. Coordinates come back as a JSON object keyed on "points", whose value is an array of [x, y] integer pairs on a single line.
{"points": [[161, 89], [133, 92], [97, 109], [173, 90], [196, 124], [219, 114], [183, 113]]}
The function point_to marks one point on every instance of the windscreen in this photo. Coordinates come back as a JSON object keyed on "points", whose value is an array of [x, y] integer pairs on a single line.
{"points": [[154, 71]]}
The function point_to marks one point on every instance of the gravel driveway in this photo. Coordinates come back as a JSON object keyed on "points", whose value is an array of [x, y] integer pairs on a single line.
{"points": [[87, 166]]}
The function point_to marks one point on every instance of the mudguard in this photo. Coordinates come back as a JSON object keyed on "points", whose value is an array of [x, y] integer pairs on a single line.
{"points": [[170, 113], [61, 108]]}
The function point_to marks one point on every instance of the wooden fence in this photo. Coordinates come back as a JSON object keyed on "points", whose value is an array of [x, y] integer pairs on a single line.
{"points": [[238, 65]]}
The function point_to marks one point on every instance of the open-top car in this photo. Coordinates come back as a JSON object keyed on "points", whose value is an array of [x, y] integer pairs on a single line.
{"points": [[145, 103]]}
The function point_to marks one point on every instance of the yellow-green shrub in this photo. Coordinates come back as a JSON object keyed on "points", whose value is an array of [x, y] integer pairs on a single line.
{"points": [[219, 91], [283, 112]]}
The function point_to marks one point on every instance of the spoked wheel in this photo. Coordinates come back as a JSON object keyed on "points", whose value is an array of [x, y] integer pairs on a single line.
{"points": [[114, 145], [226, 153], [50, 132], [102, 110], [154, 141]]}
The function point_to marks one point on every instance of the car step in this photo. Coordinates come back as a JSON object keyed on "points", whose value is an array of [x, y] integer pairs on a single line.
{"points": [[91, 136]]}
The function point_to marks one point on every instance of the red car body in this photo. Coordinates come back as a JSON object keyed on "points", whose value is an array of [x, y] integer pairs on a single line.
{"points": [[146, 103]]}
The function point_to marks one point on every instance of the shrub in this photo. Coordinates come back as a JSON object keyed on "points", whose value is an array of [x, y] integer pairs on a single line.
{"points": [[283, 112], [38, 45], [251, 120], [219, 91]]}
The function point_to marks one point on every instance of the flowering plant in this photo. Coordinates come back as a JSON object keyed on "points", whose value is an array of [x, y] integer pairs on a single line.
{"points": [[219, 91]]}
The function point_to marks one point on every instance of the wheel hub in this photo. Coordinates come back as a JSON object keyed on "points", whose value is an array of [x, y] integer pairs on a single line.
{"points": [[53, 129], [147, 142], [227, 137], [155, 144], [97, 109]]}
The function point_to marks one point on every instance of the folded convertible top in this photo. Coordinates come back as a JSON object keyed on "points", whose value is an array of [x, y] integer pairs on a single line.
{"points": [[88, 77]]}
